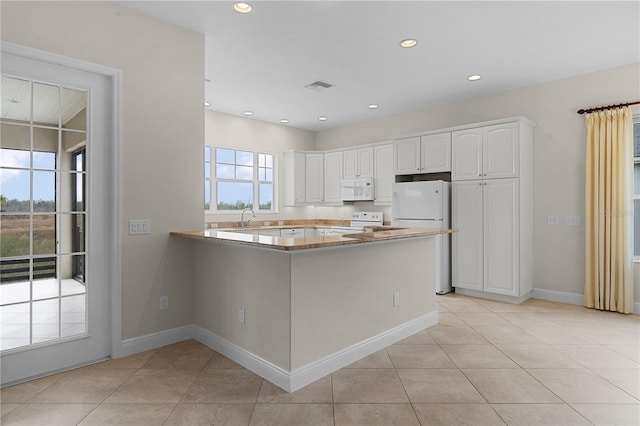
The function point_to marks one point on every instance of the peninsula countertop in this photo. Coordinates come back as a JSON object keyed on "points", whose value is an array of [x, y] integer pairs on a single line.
{"points": [[370, 234]]}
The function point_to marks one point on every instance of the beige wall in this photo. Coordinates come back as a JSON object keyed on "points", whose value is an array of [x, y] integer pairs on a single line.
{"points": [[162, 130], [559, 151], [224, 130]]}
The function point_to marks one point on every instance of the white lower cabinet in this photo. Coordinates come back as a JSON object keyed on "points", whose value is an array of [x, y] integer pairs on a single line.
{"points": [[488, 254]]}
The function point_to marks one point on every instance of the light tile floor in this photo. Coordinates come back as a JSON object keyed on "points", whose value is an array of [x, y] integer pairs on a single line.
{"points": [[486, 363]]}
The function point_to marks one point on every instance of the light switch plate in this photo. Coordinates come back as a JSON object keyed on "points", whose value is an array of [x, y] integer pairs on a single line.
{"points": [[553, 220], [574, 220], [139, 227]]}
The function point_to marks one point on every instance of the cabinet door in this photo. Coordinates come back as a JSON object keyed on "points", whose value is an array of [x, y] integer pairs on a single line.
{"points": [[500, 153], [350, 160], [466, 244], [501, 236], [466, 153], [406, 156], [436, 153], [314, 178], [365, 162], [332, 177], [294, 178], [383, 174]]}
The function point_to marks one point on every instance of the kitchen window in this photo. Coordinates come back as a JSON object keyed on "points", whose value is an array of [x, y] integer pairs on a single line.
{"points": [[636, 188], [237, 179]]}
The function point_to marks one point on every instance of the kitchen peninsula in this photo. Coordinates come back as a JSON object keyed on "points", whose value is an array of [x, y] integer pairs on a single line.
{"points": [[296, 309]]}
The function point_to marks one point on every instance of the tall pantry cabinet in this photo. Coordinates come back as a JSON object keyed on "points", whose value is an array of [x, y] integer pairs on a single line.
{"points": [[492, 210]]}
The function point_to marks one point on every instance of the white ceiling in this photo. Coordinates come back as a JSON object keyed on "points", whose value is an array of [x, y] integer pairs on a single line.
{"points": [[261, 61]]}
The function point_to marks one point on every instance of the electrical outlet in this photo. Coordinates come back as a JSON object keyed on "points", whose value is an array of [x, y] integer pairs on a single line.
{"points": [[164, 302], [241, 315], [396, 298]]}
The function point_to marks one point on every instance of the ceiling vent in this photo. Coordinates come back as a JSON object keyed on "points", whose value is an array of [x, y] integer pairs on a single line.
{"points": [[319, 86]]}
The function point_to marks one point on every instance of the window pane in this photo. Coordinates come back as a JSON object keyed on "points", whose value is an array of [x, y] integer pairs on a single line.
{"points": [[224, 171], [15, 190], [226, 156], [266, 196], [234, 195], [261, 174], [261, 160], [14, 235], [45, 320], [14, 157], [244, 158], [244, 173], [269, 177], [45, 104], [72, 140], [207, 170], [269, 158], [74, 109], [207, 154], [44, 160], [636, 178], [73, 315], [44, 234], [636, 227], [207, 195], [44, 191], [72, 233], [16, 99], [16, 319], [72, 267], [636, 139]]}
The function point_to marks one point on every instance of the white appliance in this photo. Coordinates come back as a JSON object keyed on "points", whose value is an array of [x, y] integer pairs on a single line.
{"points": [[427, 204], [360, 189], [362, 219]]}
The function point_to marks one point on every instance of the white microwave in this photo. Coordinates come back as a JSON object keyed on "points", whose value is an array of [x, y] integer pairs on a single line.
{"points": [[360, 189]]}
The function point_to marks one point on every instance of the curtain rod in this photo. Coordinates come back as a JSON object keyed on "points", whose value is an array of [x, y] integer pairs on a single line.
{"points": [[602, 108]]}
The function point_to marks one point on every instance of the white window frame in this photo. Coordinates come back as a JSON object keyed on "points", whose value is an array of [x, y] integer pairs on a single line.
{"points": [[213, 182]]}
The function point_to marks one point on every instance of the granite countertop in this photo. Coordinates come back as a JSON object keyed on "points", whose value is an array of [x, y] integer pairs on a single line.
{"points": [[370, 234]]}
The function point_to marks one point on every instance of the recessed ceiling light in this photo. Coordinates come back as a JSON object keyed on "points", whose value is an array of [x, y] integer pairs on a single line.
{"points": [[248, 113], [322, 118], [474, 77], [409, 42], [284, 121], [373, 106], [242, 7], [207, 104]]}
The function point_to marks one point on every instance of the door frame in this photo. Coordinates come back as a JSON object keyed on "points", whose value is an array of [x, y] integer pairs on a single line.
{"points": [[115, 77]]}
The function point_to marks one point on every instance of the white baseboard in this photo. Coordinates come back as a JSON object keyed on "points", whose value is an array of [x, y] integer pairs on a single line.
{"points": [[294, 380], [155, 340], [570, 298]]}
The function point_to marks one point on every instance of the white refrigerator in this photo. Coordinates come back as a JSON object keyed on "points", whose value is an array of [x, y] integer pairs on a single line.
{"points": [[427, 204]]}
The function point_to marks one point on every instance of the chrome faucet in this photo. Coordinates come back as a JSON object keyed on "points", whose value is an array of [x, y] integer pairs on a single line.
{"points": [[244, 224]]}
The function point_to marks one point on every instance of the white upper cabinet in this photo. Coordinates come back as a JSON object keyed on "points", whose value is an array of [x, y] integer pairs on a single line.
{"points": [[423, 154], [406, 156], [358, 163], [295, 178], [436, 153], [490, 152], [333, 177], [314, 185], [500, 151], [383, 174], [466, 150]]}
